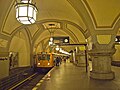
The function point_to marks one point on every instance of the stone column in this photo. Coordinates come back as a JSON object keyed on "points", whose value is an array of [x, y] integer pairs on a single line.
{"points": [[81, 59], [74, 57], [101, 64], [71, 57]]}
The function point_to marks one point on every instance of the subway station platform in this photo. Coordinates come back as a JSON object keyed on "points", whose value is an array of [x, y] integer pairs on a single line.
{"points": [[70, 77]]}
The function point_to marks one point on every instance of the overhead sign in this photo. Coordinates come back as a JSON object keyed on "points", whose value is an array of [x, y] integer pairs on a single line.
{"points": [[117, 39], [61, 40]]}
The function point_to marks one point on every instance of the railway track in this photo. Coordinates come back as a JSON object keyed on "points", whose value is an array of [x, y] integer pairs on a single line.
{"points": [[28, 83]]}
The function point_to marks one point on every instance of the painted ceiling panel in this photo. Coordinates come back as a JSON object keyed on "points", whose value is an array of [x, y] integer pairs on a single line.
{"points": [[104, 11], [11, 23], [58, 9], [77, 33], [3, 9]]}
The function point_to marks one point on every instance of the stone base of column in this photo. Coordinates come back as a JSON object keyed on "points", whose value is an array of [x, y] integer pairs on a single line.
{"points": [[102, 76]]}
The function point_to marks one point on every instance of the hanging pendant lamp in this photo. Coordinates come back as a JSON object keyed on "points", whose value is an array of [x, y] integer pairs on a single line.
{"points": [[26, 12]]}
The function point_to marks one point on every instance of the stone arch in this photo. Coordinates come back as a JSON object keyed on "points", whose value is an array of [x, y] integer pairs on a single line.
{"points": [[20, 40], [62, 22]]}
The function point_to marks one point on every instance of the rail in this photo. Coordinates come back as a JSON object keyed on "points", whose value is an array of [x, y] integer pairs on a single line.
{"points": [[13, 79]]}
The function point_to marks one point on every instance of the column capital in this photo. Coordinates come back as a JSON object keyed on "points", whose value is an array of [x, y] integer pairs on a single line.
{"points": [[102, 52]]}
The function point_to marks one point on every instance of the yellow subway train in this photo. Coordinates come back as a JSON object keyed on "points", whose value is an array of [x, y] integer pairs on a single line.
{"points": [[45, 61]]}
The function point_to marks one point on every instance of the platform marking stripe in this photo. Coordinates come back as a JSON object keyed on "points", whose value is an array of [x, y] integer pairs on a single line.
{"points": [[35, 88], [38, 84], [43, 78], [22, 82], [48, 73], [41, 81]]}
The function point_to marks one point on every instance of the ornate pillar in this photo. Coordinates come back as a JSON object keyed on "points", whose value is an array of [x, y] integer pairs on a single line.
{"points": [[80, 56], [74, 57], [101, 63], [71, 56], [81, 59]]}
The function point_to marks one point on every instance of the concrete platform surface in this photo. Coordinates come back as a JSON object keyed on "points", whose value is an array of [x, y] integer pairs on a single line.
{"points": [[70, 77]]}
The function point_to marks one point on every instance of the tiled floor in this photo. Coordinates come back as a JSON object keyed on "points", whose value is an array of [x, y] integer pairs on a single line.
{"points": [[70, 77]]}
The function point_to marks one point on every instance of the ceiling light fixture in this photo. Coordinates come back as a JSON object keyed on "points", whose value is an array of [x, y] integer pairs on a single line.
{"points": [[26, 12]]}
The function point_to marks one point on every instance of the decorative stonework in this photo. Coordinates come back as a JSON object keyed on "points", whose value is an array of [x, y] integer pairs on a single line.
{"points": [[102, 76], [3, 43], [101, 63], [101, 52], [103, 39]]}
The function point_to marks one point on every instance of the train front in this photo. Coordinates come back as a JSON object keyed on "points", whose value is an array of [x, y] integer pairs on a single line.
{"points": [[44, 62]]}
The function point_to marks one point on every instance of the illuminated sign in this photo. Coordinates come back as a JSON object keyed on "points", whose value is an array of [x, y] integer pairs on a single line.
{"points": [[117, 39], [61, 40], [3, 58]]}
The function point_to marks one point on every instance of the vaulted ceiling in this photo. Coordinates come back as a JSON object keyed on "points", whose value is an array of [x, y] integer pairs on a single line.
{"points": [[74, 17]]}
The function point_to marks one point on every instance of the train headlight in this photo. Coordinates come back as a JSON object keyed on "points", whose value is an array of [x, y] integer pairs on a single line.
{"points": [[48, 63], [38, 63]]}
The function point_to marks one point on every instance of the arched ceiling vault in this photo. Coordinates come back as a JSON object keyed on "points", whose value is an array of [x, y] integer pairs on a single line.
{"points": [[77, 18], [43, 35], [65, 29], [85, 13], [39, 29], [71, 35], [95, 13], [100, 14]]}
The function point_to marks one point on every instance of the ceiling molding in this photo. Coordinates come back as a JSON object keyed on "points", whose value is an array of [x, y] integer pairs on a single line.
{"points": [[62, 22], [80, 8], [94, 20], [6, 16]]}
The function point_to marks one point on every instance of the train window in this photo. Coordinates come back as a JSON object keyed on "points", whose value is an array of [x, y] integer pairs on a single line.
{"points": [[39, 57], [48, 57], [43, 57]]}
